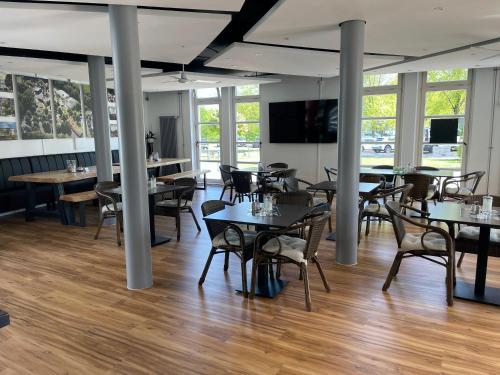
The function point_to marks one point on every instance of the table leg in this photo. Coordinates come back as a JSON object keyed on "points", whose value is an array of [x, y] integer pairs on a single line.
{"points": [[266, 286], [155, 239], [179, 168], [67, 217], [30, 201]]}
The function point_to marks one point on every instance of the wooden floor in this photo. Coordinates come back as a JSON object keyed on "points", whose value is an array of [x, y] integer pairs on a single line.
{"points": [[72, 314]]}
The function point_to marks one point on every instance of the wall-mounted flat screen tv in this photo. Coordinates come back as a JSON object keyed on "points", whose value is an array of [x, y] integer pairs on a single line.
{"points": [[306, 121]]}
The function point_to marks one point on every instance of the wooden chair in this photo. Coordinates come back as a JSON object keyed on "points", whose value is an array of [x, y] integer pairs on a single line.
{"points": [[275, 247], [372, 178], [109, 207], [377, 209], [182, 201], [331, 173], [457, 188], [243, 186], [434, 243], [225, 172], [390, 179], [300, 198], [467, 240], [226, 239], [436, 182], [281, 176], [423, 189]]}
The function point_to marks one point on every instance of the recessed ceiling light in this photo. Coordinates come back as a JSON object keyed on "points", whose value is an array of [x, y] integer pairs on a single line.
{"points": [[258, 54], [440, 9]]}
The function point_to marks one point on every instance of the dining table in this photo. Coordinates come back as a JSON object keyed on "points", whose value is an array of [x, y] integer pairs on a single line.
{"points": [[60, 177], [156, 239], [284, 216], [453, 213], [440, 173], [365, 189]]}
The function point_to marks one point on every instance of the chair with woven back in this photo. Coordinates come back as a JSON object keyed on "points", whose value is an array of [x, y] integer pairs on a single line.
{"points": [[436, 182], [467, 239], [281, 176], [278, 165], [300, 198], [376, 206], [181, 201], [434, 244], [459, 187], [423, 188], [110, 207], [331, 173], [372, 178], [390, 179], [225, 172], [276, 247], [227, 239], [243, 186]]}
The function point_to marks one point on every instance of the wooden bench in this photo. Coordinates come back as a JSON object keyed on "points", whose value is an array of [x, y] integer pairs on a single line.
{"points": [[189, 174], [81, 198]]}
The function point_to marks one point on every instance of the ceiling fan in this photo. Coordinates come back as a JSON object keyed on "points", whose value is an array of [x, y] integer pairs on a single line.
{"points": [[182, 78]]}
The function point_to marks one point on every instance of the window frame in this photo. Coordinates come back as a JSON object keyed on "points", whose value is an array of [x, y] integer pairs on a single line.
{"points": [[426, 87], [234, 122], [386, 90]]}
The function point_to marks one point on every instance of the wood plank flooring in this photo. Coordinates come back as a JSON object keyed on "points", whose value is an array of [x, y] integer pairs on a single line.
{"points": [[72, 314]]}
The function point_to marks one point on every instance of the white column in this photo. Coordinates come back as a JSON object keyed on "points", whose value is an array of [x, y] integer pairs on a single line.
{"points": [[351, 86], [127, 72], [100, 118], [410, 130]]}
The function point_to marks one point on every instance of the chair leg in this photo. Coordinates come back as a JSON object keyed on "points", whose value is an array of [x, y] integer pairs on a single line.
{"points": [[303, 268], [101, 221], [449, 281], [118, 231], [207, 266], [230, 193], [244, 278], [460, 260], [195, 220], [253, 281], [226, 261], [178, 225], [271, 271], [223, 191], [330, 223], [278, 270], [393, 271], [367, 228], [320, 270]]}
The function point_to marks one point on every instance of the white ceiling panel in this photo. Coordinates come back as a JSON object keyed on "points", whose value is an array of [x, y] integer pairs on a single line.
{"points": [[283, 60], [484, 56], [410, 28], [170, 81], [224, 5], [53, 69], [169, 36]]}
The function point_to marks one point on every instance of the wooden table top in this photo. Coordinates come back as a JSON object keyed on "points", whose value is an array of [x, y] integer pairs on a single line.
{"points": [[451, 212], [62, 176], [241, 213]]}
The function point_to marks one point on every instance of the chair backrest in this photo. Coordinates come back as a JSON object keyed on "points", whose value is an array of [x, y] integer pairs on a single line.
{"points": [[188, 193], [331, 173], [394, 209], [372, 178], [242, 181], [388, 178], [209, 207], [420, 184], [104, 197], [278, 165], [470, 199], [299, 198], [469, 180], [225, 172], [291, 184], [403, 190], [316, 226], [287, 173]]}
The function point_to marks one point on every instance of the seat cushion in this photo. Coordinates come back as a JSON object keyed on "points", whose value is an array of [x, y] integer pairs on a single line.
{"points": [[172, 203], [231, 238], [375, 209], [413, 241], [453, 189], [110, 207], [472, 233], [290, 247]]}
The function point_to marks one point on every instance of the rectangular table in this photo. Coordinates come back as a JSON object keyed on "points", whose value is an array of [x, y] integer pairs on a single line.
{"points": [[391, 172], [242, 214], [453, 213], [152, 192], [4, 319], [59, 178], [330, 188]]}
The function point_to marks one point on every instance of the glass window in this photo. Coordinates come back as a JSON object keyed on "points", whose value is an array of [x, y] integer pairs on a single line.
{"points": [[376, 80], [247, 90], [447, 75], [209, 152], [247, 134], [378, 129], [206, 93]]}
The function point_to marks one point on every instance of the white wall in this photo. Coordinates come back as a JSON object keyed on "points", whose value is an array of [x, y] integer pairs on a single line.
{"points": [[308, 159]]}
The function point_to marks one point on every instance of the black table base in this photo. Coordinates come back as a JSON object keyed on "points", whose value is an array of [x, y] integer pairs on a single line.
{"points": [[270, 288], [465, 291], [158, 240], [4, 319]]}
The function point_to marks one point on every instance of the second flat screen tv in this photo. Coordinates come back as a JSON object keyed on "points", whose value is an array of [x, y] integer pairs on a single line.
{"points": [[307, 121]]}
